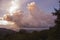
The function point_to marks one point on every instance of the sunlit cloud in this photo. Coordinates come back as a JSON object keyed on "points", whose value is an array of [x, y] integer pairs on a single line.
{"points": [[15, 18], [39, 17], [9, 25], [14, 6]]}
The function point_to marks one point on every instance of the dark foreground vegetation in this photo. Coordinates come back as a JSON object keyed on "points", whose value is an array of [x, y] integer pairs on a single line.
{"points": [[52, 34]]}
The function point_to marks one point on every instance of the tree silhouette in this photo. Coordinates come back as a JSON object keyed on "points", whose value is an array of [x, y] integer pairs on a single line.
{"points": [[54, 33]]}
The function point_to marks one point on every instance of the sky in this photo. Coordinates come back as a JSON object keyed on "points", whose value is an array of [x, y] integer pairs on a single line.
{"points": [[45, 5], [28, 13], [48, 5]]}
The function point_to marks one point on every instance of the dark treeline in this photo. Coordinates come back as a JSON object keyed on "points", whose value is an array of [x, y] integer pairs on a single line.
{"points": [[52, 34], [24, 35]]}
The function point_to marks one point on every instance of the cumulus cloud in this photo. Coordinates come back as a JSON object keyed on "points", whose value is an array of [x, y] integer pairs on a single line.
{"points": [[35, 17], [6, 4], [39, 18], [16, 17], [9, 25]]}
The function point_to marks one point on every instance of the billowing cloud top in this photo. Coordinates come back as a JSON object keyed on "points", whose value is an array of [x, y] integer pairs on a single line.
{"points": [[35, 17], [39, 17]]}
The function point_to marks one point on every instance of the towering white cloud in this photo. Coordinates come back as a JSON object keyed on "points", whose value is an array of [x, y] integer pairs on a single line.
{"points": [[35, 17], [39, 17]]}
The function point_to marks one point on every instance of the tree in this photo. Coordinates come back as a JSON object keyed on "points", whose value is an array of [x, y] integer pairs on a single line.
{"points": [[54, 33]]}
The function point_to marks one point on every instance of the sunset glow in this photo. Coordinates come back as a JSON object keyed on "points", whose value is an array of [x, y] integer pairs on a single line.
{"points": [[14, 7], [3, 22], [17, 14]]}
